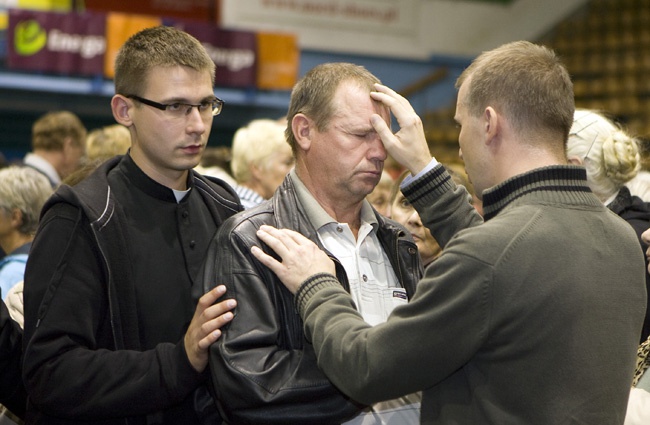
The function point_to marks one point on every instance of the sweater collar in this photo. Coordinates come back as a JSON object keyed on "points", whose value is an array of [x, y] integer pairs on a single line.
{"points": [[566, 184]]}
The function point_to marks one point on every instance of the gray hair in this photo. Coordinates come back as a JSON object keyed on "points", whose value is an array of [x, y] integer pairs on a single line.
{"points": [[24, 189]]}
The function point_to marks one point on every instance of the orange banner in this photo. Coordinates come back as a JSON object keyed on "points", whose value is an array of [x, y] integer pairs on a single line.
{"points": [[278, 61], [119, 27]]}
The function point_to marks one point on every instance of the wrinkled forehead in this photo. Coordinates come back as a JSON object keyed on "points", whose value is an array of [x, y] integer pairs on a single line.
{"points": [[352, 104]]}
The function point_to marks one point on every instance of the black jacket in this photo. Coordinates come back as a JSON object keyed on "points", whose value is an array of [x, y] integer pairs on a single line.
{"points": [[12, 391], [263, 369], [637, 213], [83, 354]]}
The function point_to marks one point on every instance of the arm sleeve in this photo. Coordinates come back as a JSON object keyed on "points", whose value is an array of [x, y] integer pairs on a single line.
{"points": [[69, 339], [444, 207], [263, 370], [419, 344], [12, 391]]}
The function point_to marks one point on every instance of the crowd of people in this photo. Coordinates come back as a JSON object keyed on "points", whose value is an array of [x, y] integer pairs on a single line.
{"points": [[147, 278]]}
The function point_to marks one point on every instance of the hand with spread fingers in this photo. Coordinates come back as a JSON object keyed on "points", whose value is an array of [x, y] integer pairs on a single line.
{"points": [[408, 145], [301, 258], [205, 326]]}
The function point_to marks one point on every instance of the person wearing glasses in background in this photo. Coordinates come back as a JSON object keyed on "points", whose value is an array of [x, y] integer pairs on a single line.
{"points": [[112, 331]]}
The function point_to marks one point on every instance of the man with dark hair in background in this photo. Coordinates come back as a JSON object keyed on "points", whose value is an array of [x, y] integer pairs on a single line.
{"points": [[58, 145]]}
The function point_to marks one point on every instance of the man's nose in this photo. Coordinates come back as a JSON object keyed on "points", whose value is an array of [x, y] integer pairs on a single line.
{"points": [[378, 150], [195, 121]]}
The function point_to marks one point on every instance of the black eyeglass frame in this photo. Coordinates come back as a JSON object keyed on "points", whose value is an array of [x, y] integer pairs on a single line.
{"points": [[216, 102]]}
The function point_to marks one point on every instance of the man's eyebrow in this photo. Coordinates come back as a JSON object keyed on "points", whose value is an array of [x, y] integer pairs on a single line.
{"points": [[187, 101]]}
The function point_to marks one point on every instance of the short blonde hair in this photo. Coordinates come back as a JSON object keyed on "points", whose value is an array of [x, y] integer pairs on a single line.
{"points": [[106, 142], [526, 82], [609, 154], [253, 144], [25, 189], [157, 47], [313, 93]]}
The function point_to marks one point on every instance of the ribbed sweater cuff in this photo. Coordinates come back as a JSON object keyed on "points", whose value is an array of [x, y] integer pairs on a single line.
{"points": [[429, 187], [311, 286]]}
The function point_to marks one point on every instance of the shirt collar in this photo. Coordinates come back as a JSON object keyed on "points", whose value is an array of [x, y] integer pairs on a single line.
{"points": [[42, 165]]}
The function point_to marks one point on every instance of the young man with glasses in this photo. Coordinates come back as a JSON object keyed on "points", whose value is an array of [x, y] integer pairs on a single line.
{"points": [[112, 330]]}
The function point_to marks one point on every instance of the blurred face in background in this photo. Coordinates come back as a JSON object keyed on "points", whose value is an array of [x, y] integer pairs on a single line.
{"points": [[275, 168], [404, 213], [73, 153], [380, 196]]}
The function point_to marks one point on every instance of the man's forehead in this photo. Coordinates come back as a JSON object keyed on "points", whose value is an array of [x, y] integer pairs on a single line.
{"points": [[354, 121]]}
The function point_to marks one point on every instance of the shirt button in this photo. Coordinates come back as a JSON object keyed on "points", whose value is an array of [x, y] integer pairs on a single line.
{"points": [[185, 214], [365, 278], [339, 229], [192, 244]]}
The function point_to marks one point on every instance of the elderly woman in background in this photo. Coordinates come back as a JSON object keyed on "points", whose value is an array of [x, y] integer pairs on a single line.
{"points": [[611, 158], [261, 158], [23, 191]]}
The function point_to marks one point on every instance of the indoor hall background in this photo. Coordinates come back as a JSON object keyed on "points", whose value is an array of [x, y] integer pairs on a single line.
{"points": [[603, 42]]}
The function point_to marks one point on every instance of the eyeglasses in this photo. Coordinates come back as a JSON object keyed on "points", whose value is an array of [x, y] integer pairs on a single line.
{"points": [[207, 108]]}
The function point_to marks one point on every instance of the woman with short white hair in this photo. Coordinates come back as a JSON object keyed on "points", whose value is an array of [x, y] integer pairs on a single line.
{"points": [[23, 192], [261, 159]]}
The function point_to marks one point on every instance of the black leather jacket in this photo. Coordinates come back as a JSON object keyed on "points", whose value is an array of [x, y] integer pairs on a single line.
{"points": [[263, 369]]}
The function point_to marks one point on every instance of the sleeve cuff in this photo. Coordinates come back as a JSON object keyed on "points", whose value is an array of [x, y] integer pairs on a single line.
{"points": [[311, 286], [408, 179]]}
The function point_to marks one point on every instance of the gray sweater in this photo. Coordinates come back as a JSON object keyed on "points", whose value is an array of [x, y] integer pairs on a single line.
{"points": [[531, 317]]}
